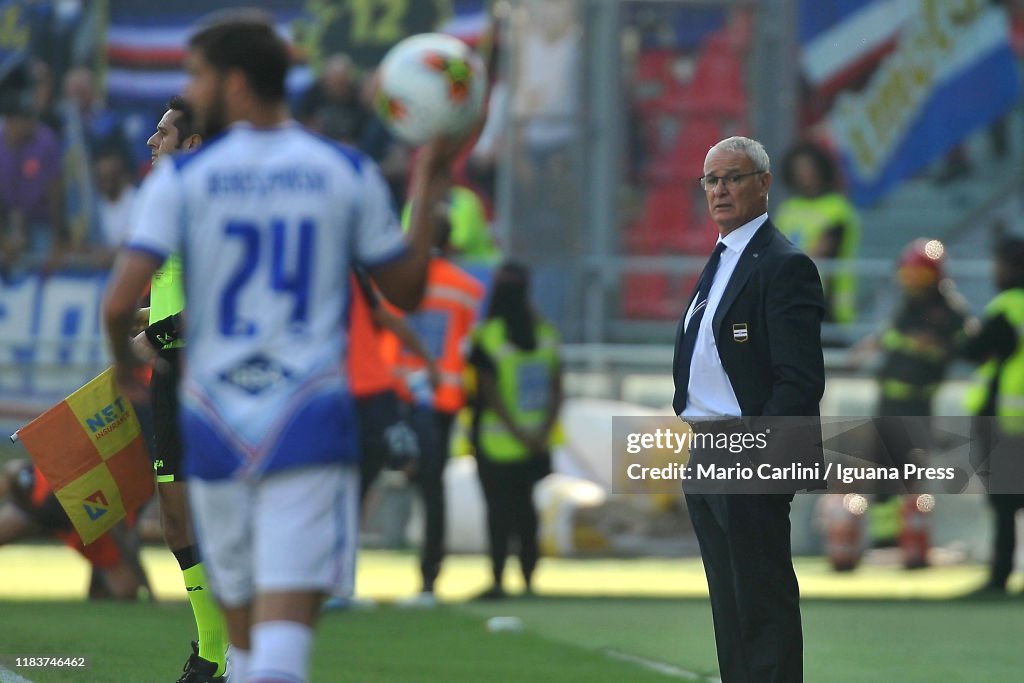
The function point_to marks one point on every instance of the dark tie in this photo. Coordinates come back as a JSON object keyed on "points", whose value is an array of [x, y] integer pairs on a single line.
{"points": [[684, 349]]}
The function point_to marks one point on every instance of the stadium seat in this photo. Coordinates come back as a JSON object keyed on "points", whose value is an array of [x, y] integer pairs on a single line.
{"points": [[684, 159], [647, 296], [718, 86], [663, 221], [658, 80]]}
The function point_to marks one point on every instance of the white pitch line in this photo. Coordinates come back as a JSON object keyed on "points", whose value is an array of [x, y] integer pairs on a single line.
{"points": [[661, 667], [8, 676]]}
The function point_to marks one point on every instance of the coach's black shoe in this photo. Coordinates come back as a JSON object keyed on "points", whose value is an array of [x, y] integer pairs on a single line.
{"points": [[199, 670]]}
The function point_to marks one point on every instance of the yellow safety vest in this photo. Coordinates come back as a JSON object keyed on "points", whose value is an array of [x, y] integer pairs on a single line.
{"points": [[804, 220], [1010, 387], [523, 387]]}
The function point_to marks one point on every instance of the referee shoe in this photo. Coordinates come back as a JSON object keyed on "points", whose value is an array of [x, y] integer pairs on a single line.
{"points": [[199, 670]]}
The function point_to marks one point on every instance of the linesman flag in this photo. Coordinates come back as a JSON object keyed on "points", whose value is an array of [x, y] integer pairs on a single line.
{"points": [[90, 449]]}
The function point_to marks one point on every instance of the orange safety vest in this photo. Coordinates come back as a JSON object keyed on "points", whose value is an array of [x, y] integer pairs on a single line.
{"points": [[369, 370], [443, 322]]}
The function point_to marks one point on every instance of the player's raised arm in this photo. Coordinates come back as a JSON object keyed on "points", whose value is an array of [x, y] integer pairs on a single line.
{"points": [[403, 280]]}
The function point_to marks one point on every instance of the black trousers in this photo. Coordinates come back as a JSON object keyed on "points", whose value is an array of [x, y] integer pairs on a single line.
{"points": [[997, 460], [755, 600], [375, 413], [1004, 541], [508, 492], [433, 430]]}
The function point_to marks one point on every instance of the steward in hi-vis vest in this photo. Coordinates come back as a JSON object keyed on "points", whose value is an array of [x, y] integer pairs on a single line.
{"points": [[823, 223], [523, 380], [519, 390], [997, 398]]}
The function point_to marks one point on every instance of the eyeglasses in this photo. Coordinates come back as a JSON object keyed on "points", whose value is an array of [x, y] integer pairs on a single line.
{"points": [[710, 182]]}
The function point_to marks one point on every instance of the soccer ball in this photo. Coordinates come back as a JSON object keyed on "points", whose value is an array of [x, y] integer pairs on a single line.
{"points": [[430, 85]]}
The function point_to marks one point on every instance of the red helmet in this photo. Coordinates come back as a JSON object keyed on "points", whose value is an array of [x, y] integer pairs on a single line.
{"points": [[925, 253]]}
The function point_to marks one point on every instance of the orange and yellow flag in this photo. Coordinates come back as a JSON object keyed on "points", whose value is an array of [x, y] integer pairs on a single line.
{"points": [[90, 449]]}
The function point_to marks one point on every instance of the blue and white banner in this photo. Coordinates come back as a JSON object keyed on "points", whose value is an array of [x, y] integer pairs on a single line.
{"points": [[50, 339], [950, 70], [146, 42], [843, 40]]}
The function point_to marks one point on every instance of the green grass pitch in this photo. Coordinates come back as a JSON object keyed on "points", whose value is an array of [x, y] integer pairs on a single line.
{"points": [[877, 624]]}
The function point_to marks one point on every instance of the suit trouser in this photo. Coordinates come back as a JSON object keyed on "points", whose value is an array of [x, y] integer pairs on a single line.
{"points": [[755, 599], [433, 430]]}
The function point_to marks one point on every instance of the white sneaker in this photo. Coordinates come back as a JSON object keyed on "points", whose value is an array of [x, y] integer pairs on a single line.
{"points": [[425, 599]]}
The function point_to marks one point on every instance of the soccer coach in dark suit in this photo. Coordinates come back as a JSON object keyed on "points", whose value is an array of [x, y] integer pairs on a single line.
{"points": [[749, 344]]}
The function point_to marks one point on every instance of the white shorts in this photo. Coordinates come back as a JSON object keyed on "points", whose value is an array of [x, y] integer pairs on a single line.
{"points": [[293, 530]]}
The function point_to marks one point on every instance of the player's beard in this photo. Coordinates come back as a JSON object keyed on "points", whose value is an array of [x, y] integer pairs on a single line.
{"points": [[215, 118]]}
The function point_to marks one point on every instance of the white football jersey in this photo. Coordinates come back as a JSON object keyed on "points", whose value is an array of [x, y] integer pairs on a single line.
{"points": [[268, 222]]}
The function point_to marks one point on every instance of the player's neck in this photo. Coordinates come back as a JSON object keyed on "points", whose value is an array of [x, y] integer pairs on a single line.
{"points": [[262, 115]]}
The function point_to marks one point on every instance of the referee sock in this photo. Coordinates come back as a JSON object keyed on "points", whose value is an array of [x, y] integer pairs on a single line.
{"points": [[280, 651], [210, 625]]}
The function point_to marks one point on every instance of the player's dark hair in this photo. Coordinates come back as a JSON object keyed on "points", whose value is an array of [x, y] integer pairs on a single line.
{"points": [[248, 42], [510, 301], [186, 121], [823, 164]]}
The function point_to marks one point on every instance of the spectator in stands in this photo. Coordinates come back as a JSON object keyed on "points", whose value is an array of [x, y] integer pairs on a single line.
{"points": [[546, 88], [115, 199], [823, 223], [101, 127], [997, 399], [31, 192], [519, 392], [544, 136], [88, 127], [332, 105], [44, 96], [918, 345]]}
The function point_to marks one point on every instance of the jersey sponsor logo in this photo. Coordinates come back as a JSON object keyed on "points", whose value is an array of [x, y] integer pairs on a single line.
{"points": [[99, 506], [256, 374]]}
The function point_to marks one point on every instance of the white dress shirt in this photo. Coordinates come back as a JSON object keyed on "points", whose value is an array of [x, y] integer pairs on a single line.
{"points": [[710, 393]]}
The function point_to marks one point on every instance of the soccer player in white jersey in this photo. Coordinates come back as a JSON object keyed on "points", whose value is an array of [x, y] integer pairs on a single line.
{"points": [[268, 219]]}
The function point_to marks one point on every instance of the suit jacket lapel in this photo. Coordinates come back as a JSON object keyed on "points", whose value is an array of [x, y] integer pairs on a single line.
{"points": [[744, 267]]}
